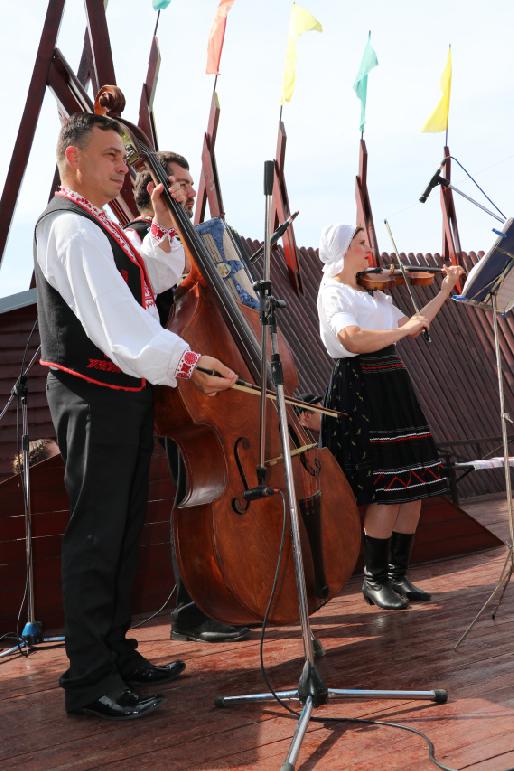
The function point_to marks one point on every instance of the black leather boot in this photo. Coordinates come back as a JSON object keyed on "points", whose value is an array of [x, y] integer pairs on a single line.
{"points": [[377, 589], [401, 547]]}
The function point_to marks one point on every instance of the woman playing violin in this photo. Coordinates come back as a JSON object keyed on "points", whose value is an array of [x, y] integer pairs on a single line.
{"points": [[383, 442]]}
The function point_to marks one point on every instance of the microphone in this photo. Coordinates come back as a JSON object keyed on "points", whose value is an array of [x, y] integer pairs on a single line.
{"points": [[269, 174], [436, 179], [276, 235], [254, 493]]}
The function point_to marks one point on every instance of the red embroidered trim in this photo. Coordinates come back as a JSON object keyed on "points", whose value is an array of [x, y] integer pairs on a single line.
{"points": [[90, 379], [405, 438], [186, 365], [103, 364], [158, 232], [114, 230], [410, 479], [381, 367]]}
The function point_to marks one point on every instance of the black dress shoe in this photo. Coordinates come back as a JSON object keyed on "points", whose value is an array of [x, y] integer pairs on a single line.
{"points": [[145, 672], [210, 631], [127, 706]]}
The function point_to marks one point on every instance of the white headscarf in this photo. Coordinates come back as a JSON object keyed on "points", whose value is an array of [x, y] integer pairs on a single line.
{"points": [[333, 245]]}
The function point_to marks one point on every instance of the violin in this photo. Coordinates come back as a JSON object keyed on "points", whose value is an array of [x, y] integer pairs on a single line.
{"points": [[386, 278]]}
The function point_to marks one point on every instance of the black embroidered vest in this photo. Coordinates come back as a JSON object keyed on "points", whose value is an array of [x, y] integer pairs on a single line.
{"points": [[164, 300], [64, 343]]}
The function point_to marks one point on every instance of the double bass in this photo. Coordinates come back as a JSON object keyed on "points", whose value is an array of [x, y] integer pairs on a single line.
{"points": [[227, 547]]}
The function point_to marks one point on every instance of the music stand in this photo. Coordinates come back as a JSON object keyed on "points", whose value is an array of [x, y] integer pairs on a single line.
{"points": [[490, 286]]}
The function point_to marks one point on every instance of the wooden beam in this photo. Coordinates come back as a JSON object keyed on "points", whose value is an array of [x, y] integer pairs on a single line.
{"points": [[280, 212], [68, 90], [29, 119], [209, 188], [86, 61], [363, 204], [103, 68], [451, 249], [146, 116]]}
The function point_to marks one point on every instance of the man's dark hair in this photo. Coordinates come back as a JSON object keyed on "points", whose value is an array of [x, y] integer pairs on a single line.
{"points": [[77, 127], [143, 178]]}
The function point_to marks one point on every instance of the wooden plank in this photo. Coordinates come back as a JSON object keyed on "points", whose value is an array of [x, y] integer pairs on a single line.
{"points": [[472, 730], [29, 119]]}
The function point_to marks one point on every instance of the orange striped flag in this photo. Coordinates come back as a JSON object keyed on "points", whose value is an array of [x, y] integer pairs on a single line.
{"points": [[216, 37]]}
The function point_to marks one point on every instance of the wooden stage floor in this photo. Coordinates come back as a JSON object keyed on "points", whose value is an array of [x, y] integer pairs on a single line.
{"points": [[365, 648]]}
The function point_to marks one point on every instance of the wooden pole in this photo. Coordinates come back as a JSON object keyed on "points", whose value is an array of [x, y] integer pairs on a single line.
{"points": [[29, 119]]}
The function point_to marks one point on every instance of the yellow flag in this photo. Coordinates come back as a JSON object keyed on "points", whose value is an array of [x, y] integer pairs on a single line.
{"points": [[438, 121], [300, 21]]}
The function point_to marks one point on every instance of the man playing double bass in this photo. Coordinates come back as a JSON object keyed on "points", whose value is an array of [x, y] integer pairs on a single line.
{"points": [[188, 621], [103, 344]]}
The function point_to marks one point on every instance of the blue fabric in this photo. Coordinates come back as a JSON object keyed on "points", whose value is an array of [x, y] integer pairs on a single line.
{"points": [[216, 229]]}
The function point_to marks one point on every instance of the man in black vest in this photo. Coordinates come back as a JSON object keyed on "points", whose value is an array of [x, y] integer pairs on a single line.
{"points": [[188, 621], [101, 339]]}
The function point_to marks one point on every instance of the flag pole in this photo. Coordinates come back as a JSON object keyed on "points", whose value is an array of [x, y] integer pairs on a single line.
{"points": [[156, 24], [449, 97]]}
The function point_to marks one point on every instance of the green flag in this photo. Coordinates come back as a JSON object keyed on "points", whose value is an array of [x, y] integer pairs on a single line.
{"points": [[369, 60], [160, 5]]}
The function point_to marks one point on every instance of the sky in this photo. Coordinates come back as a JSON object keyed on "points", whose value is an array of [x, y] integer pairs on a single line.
{"points": [[411, 40]]}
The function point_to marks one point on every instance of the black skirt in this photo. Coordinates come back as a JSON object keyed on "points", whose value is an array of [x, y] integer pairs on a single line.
{"points": [[383, 442]]}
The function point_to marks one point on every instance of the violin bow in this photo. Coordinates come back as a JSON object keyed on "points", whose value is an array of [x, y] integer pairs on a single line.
{"points": [[406, 278]]}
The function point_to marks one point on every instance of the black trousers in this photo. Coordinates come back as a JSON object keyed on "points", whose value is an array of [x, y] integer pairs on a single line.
{"points": [[105, 437]]}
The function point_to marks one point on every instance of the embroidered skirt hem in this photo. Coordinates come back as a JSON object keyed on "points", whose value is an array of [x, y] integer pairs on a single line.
{"points": [[383, 442]]}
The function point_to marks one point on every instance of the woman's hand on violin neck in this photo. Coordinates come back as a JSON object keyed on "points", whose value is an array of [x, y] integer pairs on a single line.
{"points": [[212, 384], [453, 273]]}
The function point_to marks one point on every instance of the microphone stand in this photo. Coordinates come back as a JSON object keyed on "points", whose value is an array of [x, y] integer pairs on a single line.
{"points": [[32, 633], [311, 691], [276, 235], [438, 180]]}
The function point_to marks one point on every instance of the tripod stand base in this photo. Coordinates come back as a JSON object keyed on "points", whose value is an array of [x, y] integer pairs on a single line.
{"points": [[31, 635], [33, 632], [438, 695]]}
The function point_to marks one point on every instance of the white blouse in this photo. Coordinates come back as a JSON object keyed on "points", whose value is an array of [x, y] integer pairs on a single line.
{"points": [[340, 306]]}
